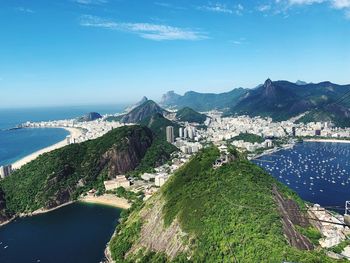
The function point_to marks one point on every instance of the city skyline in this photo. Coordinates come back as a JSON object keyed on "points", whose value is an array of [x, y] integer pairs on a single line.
{"points": [[76, 52]]}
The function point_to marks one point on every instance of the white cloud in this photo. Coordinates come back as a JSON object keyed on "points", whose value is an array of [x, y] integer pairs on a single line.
{"points": [[284, 5], [305, 2], [340, 4], [25, 10], [168, 5], [218, 8], [145, 30], [90, 2], [264, 8], [222, 8]]}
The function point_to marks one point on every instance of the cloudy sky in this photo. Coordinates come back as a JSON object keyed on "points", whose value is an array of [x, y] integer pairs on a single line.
{"points": [[73, 52]]}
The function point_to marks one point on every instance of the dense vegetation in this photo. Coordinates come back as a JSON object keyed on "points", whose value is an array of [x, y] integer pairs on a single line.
{"points": [[322, 115], [229, 213], [114, 118], [157, 123], [62, 175], [189, 115], [249, 137], [282, 100], [158, 154]]}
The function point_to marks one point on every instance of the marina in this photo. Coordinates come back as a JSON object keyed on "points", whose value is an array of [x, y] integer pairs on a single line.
{"points": [[318, 171]]}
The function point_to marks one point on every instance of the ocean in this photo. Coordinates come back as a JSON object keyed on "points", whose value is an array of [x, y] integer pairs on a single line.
{"points": [[15, 144]]}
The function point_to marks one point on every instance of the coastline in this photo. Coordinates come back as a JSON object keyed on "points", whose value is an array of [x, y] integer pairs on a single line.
{"points": [[106, 199], [74, 133], [327, 140], [36, 212]]}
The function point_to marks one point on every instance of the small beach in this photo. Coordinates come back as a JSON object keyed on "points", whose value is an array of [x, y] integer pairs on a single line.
{"points": [[107, 199], [74, 133]]}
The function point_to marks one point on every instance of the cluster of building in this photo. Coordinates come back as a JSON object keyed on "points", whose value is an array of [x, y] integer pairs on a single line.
{"points": [[226, 128], [323, 129], [188, 140], [330, 226], [251, 147], [89, 130], [150, 182]]}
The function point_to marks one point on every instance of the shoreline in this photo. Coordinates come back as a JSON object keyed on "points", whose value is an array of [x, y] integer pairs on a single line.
{"points": [[106, 199], [35, 213], [327, 140], [74, 133]]}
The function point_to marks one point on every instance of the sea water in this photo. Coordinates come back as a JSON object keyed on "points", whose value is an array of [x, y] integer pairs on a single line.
{"points": [[318, 171], [17, 143]]}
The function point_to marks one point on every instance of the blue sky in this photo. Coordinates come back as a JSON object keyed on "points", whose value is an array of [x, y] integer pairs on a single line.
{"points": [[73, 52]]}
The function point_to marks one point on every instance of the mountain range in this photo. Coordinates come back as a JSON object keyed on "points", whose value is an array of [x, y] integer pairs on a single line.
{"points": [[280, 100]]}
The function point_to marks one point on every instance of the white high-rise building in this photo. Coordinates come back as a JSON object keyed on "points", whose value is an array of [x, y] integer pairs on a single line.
{"points": [[190, 133], [5, 170], [170, 134], [181, 132], [185, 133]]}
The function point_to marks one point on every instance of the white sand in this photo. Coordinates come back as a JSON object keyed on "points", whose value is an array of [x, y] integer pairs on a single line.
{"points": [[74, 133], [107, 199]]}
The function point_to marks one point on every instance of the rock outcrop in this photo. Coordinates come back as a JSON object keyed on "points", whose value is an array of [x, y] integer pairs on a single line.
{"points": [[154, 236], [91, 116]]}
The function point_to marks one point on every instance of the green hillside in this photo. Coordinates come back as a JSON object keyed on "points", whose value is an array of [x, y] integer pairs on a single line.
{"points": [[225, 215], [189, 115], [339, 116], [157, 123], [62, 175]]}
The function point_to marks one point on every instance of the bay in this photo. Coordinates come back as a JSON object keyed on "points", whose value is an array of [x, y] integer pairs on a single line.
{"points": [[75, 233]]}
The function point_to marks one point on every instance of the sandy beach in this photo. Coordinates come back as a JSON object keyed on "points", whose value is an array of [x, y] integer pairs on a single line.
{"points": [[74, 133], [107, 199], [327, 140]]}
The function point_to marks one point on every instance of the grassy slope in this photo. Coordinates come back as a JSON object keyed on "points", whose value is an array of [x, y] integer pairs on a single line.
{"points": [[228, 213]]}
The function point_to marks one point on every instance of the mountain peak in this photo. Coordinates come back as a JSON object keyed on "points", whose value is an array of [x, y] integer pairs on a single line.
{"points": [[300, 82], [268, 83], [146, 109], [144, 98]]}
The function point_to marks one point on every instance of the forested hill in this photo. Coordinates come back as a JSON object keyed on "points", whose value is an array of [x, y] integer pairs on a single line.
{"points": [[229, 214], [62, 175], [189, 115]]}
